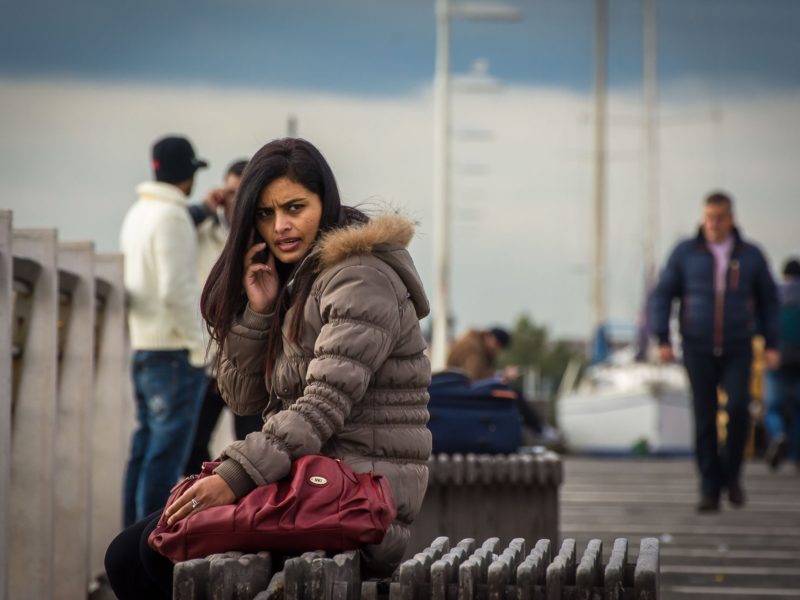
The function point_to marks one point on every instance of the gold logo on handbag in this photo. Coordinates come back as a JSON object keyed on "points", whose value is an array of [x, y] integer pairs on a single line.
{"points": [[318, 480]]}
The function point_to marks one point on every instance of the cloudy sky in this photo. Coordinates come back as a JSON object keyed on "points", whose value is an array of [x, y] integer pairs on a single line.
{"points": [[85, 87]]}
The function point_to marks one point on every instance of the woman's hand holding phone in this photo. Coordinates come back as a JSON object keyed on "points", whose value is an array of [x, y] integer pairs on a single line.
{"points": [[260, 280]]}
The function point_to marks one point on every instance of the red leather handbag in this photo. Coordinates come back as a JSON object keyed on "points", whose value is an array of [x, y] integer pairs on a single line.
{"points": [[321, 505]]}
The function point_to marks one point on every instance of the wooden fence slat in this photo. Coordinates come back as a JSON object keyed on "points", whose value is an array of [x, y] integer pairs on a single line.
{"points": [[113, 408], [6, 315], [440, 572], [34, 425], [71, 534]]}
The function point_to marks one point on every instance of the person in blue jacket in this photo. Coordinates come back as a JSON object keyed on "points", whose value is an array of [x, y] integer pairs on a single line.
{"points": [[782, 386], [726, 295]]}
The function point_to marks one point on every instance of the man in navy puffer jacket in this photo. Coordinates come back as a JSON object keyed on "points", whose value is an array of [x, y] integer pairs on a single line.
{"points": [[726, 295]]}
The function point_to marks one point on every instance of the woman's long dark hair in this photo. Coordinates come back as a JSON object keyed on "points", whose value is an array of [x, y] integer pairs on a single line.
{"points": [[223, 295]]}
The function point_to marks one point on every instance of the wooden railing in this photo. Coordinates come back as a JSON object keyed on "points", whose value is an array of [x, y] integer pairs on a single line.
{"points": [[468, 570], [65, 411]]}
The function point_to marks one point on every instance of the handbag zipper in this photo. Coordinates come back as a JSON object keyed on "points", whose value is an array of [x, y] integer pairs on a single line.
{"points": [[185, 480]]}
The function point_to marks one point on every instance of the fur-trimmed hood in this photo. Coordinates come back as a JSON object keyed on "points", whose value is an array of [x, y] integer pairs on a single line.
{"points": [[386, 237]]}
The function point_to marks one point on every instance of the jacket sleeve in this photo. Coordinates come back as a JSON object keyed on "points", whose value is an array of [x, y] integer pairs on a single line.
{"points": [[767, 304], [198, 213], [360, 325], [669, 287], [241, 369]]}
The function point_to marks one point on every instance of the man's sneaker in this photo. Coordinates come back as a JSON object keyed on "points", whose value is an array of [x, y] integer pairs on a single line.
{"points": [[736, 494], [776, 451], [708, 504]]}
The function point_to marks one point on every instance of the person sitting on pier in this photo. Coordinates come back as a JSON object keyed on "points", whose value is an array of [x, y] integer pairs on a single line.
{"points": [[476, 352], [315, 309]]}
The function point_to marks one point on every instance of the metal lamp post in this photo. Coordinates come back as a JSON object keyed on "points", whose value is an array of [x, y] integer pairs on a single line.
{"points": [[441, 144]]}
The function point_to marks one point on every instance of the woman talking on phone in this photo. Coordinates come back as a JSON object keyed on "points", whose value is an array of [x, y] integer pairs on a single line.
{"points": [[315, 309]]}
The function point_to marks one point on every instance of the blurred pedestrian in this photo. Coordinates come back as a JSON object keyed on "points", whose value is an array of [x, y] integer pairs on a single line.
{"points": [[213, 215], [160, 247], [476, 353], [213, 218], [726, 295], [782, 395]]}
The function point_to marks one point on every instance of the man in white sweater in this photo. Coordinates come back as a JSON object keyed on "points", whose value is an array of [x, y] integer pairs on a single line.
{"points": [[159, 242]]}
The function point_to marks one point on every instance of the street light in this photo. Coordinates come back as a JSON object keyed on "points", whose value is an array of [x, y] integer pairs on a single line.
{"points": [[485, 12], [477, 80], [441, 145]]}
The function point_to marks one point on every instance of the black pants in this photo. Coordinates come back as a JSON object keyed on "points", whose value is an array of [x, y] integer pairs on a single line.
{"points": [[719, 466], [529, 415], [136, 571], [207, 421]]}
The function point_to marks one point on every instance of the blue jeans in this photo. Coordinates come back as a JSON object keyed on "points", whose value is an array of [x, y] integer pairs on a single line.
{"points": [[782, 398], [719, 466], [169, 392]]}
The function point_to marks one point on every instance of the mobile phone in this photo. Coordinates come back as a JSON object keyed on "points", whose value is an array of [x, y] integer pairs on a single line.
{"points": [[263, 255]]}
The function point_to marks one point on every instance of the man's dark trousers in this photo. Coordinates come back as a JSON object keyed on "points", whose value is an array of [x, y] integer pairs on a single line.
{"points": [[211, 408], [731, 370]]}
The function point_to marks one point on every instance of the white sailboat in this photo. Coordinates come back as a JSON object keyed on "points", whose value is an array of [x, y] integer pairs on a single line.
{"points": [[628, 407], [622, 406]]}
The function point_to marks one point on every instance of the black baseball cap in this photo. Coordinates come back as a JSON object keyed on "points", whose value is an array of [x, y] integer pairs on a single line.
{"points": [[502, 336], [174, 159]]}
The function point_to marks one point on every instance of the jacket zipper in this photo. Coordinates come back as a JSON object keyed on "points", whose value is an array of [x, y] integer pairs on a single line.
{"points": [[184, 481], [719, 306], [733, 279], [731, 282]]}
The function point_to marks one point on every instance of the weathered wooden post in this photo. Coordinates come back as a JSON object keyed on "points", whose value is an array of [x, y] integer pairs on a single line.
{"points": [[73, 429], [6, 313], [33, 414], [112, 411]]}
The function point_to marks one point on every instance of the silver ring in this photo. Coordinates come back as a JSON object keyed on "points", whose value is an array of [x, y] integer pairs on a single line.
{"points": [[195, 503]]}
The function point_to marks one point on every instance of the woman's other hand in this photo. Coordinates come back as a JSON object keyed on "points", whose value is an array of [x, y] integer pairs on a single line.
{"points": [[208, 492], [260, 280]]}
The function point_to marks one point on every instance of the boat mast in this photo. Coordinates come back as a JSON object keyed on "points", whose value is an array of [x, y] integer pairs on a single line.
{"points": [[598, 283], [651, 216]]}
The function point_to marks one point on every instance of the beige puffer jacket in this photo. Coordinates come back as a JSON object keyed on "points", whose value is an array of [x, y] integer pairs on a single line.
{"points": [[354, 387]]}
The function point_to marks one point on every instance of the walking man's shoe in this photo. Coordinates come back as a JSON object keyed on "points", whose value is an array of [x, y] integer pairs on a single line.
{"points": [[776, 451], [708, 504], [736, 494]]}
